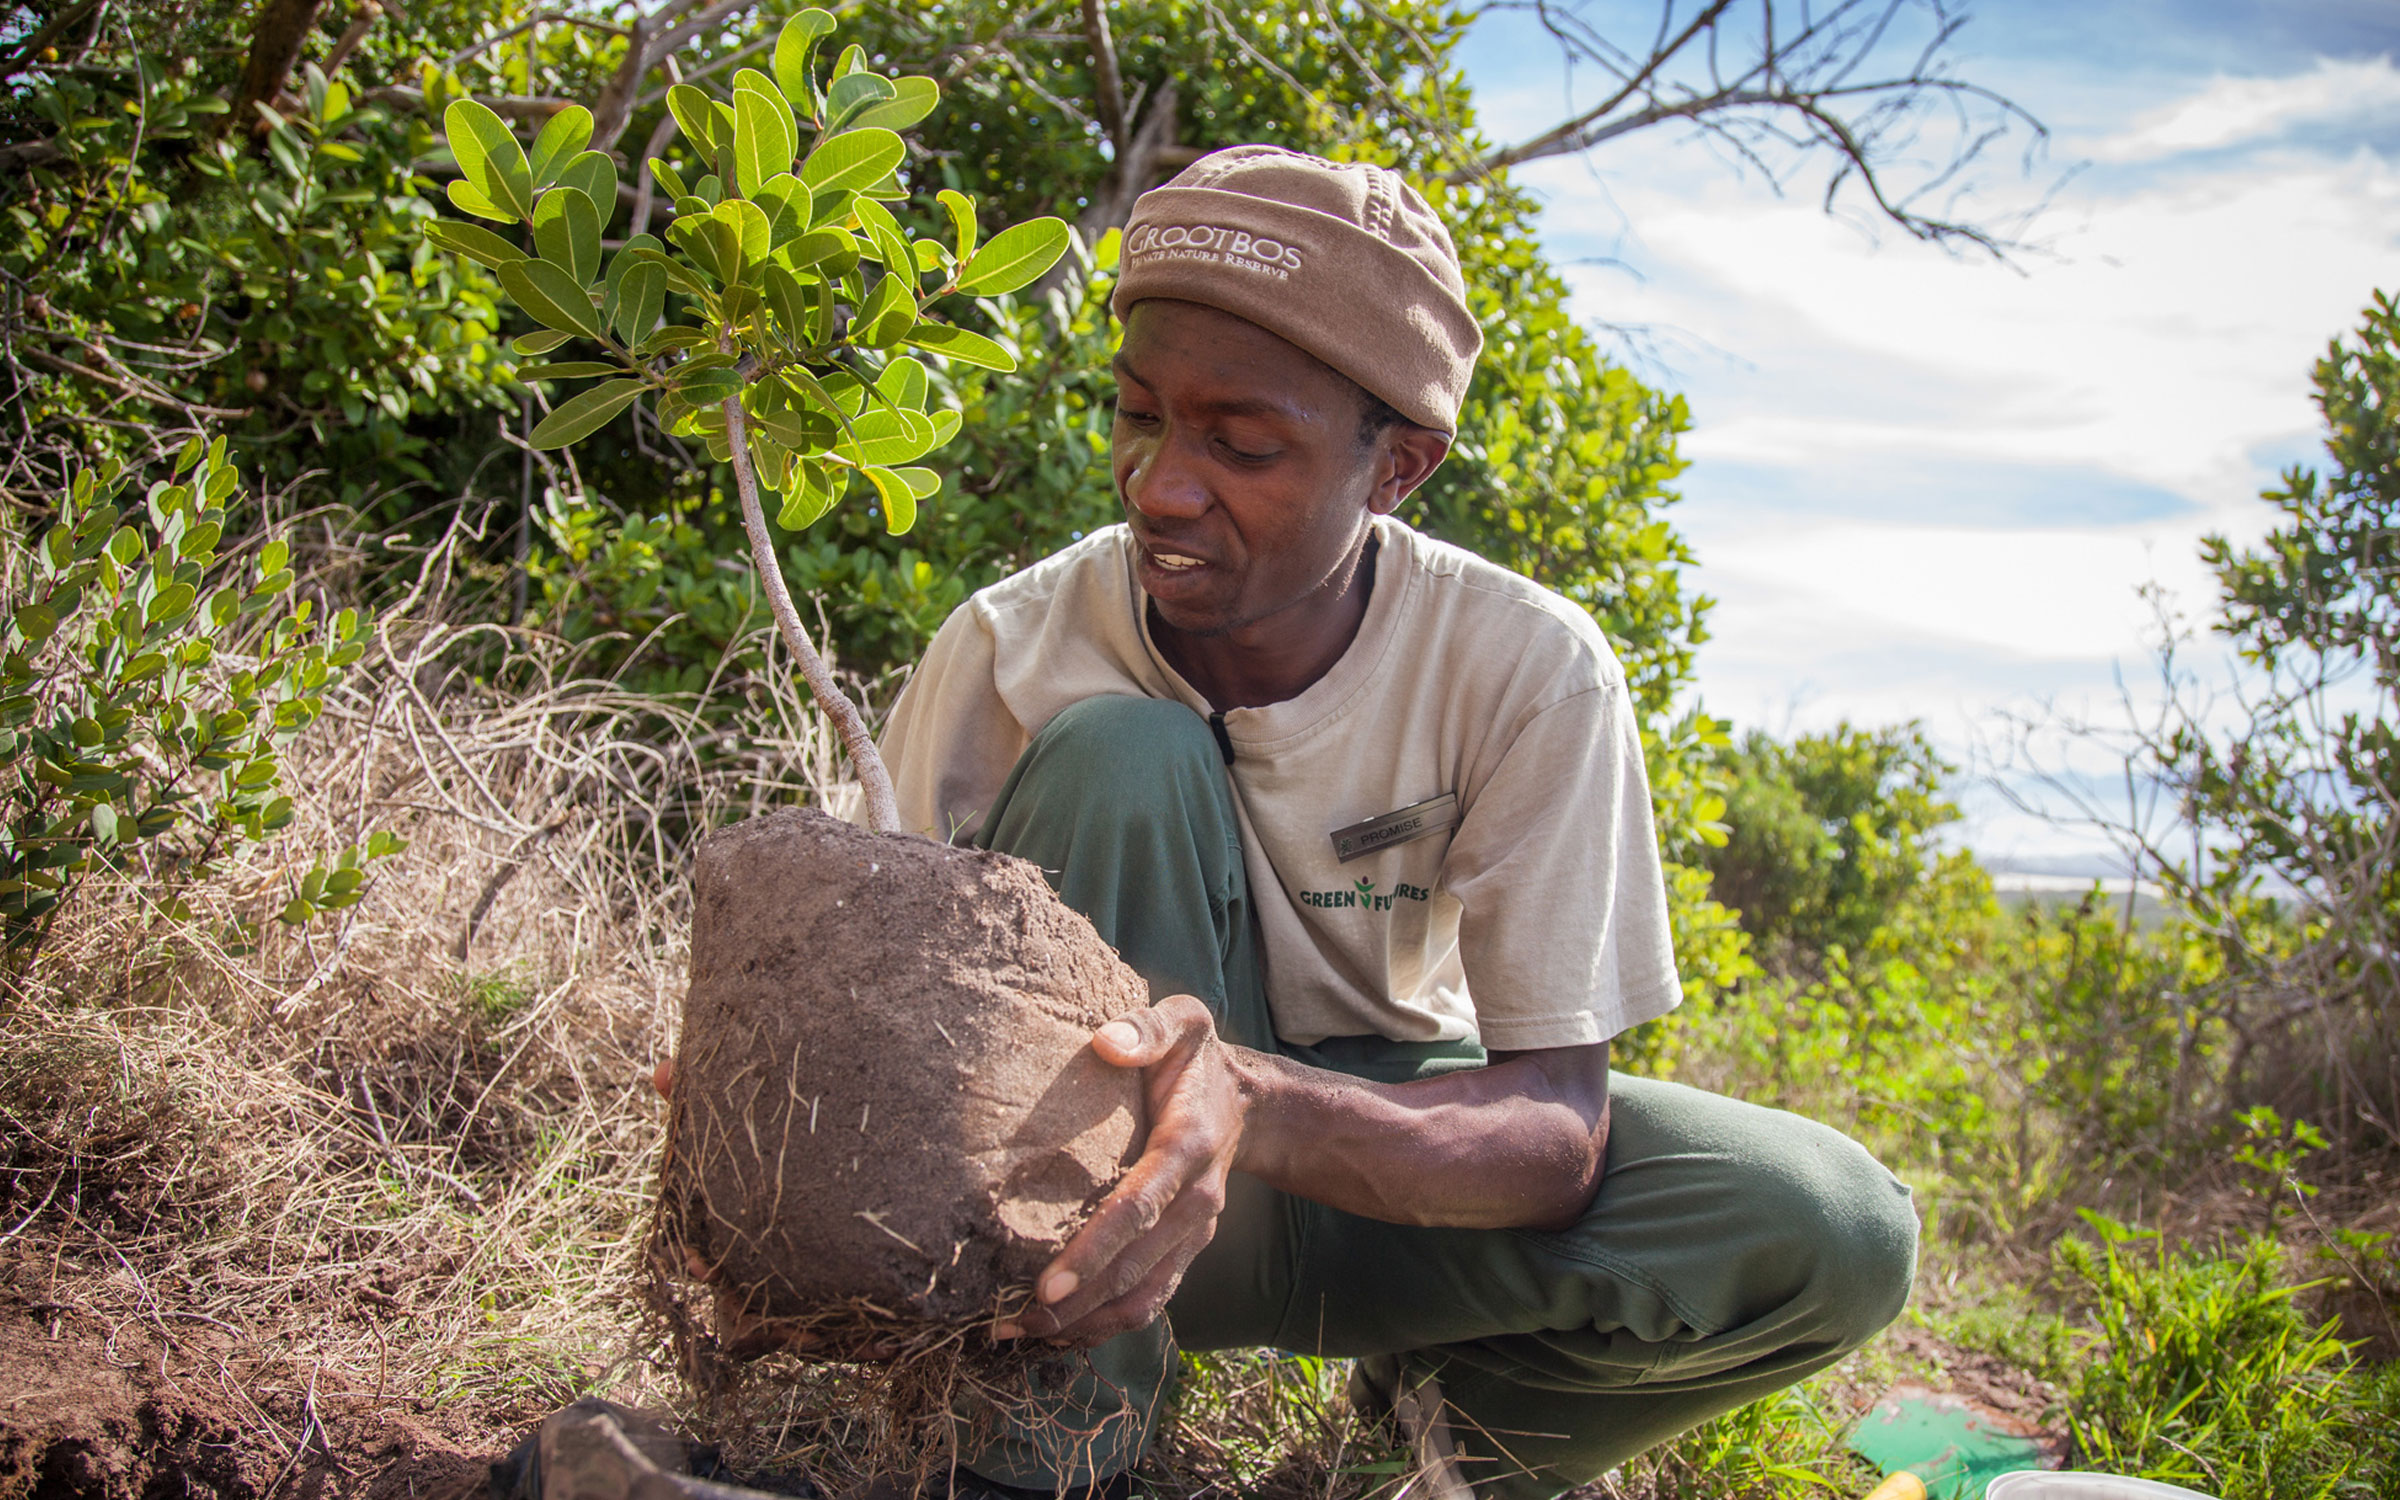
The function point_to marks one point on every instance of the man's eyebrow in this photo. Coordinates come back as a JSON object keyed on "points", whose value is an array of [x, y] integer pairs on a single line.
{"points": [[1231, 406]]}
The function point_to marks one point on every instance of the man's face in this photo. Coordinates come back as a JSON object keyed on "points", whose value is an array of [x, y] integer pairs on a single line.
{"points": [[1238, 460]]}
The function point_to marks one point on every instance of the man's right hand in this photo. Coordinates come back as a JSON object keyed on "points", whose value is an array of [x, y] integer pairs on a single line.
{"points": [[1123, 1265]]}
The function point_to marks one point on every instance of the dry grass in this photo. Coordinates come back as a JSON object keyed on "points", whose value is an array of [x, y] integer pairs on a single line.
{"points": [[407, 1151]]}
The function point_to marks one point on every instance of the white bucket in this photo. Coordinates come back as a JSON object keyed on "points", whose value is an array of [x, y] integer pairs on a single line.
{"points": [[2042, 1484]]}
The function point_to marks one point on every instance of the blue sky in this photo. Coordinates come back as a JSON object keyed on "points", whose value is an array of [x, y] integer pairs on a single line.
{"points": [[1927, 486]]}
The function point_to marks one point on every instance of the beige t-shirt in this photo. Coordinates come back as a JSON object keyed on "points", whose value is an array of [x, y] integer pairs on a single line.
{"points": [[1539, 920]]}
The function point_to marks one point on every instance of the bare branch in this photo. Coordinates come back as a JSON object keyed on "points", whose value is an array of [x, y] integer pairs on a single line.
{"points": [[1110, 82], [542, 19], [1735, 70], [650, 42], [351, 36], [536, 107], [646, 190]]}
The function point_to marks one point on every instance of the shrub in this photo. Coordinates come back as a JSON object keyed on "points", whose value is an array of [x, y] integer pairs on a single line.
{"points": [[147, 691]]}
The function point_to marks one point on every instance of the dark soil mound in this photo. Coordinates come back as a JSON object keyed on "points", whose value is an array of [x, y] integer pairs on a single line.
{"points": [[886, 1100], [87, 1414]]}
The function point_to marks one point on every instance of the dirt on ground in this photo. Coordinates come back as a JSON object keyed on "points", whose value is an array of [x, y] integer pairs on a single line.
{"points": [[93, 1412], [885, 1095]]}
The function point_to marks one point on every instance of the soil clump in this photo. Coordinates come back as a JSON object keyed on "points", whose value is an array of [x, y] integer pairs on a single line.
{"points": [[886, 1105]]}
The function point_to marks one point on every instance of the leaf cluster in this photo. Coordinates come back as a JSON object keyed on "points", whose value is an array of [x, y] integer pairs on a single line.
{"points": [[177, 276], [1828, 833], [148, 686], [758, 301]]}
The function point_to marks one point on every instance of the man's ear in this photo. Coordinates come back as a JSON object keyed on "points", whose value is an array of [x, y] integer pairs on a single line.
{"points": [[1406, 456]]}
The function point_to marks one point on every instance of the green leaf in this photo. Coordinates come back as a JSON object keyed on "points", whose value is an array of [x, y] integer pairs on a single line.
{"points": [[585, 414], [668, 181], [568, 369], [786, 204], [568, 132], [538, 343], [903, 383], [764, 135], [789, 301], [945, 427], [35, 622], [638, 306], [714, 245], [173, 600], [926, 483], [899, 500], [467, 198], [913, 98], [463, 124], [472, 241], [1016, 257], [490, 156], [552, 296], [104, 824], [672, 336], [697, 384], [891, 247], [596, 176], [878, 322], [812, 493], [854, 160], [850, 97], [696, 114], [852, 60], [749, 222], [808, 431], [964, 345], [888, 437], [832, 250], [566, 230], [795, 47], [962, 220]]}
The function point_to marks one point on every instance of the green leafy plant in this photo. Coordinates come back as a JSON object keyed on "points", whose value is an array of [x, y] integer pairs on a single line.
{"points": [[755, 324], [2210, 1375], [147, 689]]}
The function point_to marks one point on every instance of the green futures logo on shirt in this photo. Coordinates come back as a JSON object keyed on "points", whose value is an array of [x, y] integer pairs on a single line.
{"points": [[1362, 895]]}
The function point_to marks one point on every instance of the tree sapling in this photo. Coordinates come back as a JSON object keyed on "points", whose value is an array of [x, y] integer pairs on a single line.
{"points": [[886, 1112]]}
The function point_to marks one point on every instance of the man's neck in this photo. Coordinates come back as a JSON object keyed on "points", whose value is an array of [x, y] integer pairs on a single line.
{"points": [[1282, 656]]}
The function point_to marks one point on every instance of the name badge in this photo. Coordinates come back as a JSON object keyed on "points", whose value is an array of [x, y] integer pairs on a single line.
{"points": [[1433, 815]]}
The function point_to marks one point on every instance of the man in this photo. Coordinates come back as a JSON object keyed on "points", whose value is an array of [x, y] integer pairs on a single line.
{"points": [[1370, 816]]}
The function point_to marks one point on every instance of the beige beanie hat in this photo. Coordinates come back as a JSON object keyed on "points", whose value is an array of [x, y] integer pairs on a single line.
{"points": [[1344, 259]]}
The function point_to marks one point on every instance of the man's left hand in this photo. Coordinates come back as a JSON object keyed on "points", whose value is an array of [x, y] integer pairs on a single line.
{"points": [[1118, 1272]]}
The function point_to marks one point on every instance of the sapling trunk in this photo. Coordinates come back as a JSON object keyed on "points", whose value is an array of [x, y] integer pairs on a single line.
{"points": [[883, 809]]}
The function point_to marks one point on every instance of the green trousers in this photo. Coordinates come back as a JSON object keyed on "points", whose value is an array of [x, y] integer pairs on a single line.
{"points": [[1731, 1250]]}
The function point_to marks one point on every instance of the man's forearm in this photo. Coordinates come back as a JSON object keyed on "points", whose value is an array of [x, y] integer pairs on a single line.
{"points": [[1518, 1144]]}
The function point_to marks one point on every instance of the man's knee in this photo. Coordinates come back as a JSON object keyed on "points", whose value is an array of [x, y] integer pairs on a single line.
{"points": [[1117, 752], [1852, 1222]]}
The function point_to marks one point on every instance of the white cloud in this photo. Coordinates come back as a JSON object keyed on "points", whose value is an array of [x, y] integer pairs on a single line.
{"points": [[2150, 373], [2050, 596], [2168, 344], [2243, 111]]}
